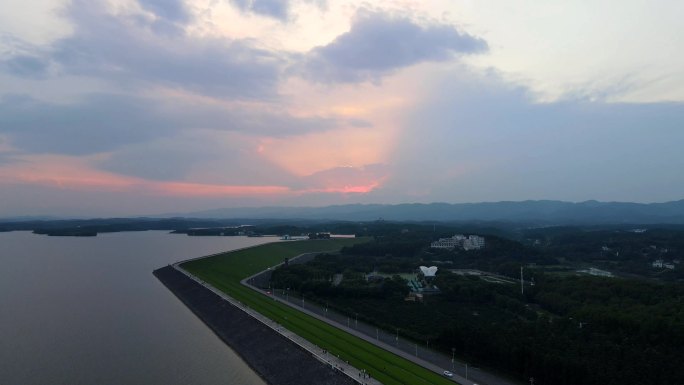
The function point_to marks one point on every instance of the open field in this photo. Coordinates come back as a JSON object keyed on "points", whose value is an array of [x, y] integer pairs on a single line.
{"points": [[226, 270]]}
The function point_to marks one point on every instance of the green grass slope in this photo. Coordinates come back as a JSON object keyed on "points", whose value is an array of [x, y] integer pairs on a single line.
{"points": [[225, 271]]}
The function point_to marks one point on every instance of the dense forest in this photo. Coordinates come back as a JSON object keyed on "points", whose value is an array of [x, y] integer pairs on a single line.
{"points": [[566, 329], [629, 251]]}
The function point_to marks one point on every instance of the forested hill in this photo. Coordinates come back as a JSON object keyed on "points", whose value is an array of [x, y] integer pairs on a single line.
{"points": [[537, 212]]}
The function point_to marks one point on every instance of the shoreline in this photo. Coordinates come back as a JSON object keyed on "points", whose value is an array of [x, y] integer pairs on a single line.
{"points": [[276, 359]]}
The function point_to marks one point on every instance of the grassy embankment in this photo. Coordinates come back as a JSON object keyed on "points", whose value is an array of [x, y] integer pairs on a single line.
{"points": [[226, 270]]}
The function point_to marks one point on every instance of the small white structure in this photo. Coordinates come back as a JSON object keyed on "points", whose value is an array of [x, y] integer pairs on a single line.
{"points": [[428, 271], [670, 266], [599, 273], [596, 272], [657, 263]]}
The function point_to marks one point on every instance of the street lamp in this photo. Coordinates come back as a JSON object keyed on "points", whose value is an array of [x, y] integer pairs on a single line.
{"points": [[453, 351], [356, 321], [396, 340]]}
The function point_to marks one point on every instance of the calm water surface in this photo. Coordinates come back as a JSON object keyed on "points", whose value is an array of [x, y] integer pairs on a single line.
{"points": [[89, 311]]}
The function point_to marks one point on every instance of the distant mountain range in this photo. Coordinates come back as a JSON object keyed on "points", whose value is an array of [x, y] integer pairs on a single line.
{"points": [[537, 212]]}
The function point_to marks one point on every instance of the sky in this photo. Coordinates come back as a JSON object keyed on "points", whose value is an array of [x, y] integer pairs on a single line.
{"points": [[142, 107]]}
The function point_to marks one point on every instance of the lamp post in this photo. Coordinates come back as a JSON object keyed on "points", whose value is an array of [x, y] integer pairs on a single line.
{"points": [[453, 351], [396, 340], [356, 321]]}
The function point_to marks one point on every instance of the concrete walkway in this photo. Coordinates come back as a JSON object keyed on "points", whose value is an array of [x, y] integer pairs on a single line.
{"points": [[355, 374]]}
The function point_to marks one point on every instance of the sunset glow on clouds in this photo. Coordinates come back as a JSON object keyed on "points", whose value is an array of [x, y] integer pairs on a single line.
{"points": [[193, 104]]}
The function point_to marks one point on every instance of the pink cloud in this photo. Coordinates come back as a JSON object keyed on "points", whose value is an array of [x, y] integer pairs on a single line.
{"points": [[76, 173], [198, 189]]}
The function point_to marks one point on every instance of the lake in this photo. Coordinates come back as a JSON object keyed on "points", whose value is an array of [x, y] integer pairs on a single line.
{"points": [[89, 311]]}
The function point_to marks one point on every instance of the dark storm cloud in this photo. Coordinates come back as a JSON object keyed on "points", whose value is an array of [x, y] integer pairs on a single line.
{"points": [[104, 122], [277, 9], [378, 44]]}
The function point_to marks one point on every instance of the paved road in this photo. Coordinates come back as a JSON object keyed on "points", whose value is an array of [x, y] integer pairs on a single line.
{"points": [[418, 353]]}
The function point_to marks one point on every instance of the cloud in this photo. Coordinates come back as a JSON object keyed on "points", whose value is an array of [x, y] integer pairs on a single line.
{"points": [[137, 51], [29, 66], [201, 156], [346, 179], [170, 16], [106, 122], [22, 59], [379, 44], [277, 9], [99, 123], [174, 10], [477, 138], [124, 49]]}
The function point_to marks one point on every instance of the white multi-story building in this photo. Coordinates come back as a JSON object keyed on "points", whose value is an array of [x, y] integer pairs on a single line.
{"points": [[471, 242], [448, 243]]}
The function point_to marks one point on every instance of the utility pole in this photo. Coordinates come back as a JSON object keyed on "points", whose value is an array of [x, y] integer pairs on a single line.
{"points": [[522, 286]]}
